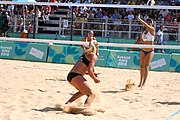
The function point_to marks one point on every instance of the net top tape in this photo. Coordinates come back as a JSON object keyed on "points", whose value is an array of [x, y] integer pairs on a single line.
{"points": [[93, 5], [86, 43]]}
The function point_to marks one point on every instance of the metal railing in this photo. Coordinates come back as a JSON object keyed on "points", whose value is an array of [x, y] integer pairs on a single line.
{"points": [[102, 28]]}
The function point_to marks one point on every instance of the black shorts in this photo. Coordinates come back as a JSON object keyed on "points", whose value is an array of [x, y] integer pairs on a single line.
{"points": [[71, 75]]}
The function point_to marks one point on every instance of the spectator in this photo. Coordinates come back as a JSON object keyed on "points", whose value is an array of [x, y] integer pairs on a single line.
{"points": [[146, 17], [159, 38], [164, 12], [105, 17], [90, 15], [160, 19], [20, 25], [173, 29], [99, 14], [169, 17], [130, 16], [69, 14], [131, 2], [30, 27], [115, 16]]}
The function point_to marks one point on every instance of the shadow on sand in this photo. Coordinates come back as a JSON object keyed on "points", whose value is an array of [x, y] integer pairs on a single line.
{"points": [[169, 103], [48, 109]]}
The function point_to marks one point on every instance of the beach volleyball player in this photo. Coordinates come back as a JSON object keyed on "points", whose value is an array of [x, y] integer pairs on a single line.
{"points": [[90, 37], [75, 77], [146, 54]]}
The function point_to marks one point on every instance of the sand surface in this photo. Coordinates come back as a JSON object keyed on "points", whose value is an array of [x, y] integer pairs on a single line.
{"points": [[31, 90]]}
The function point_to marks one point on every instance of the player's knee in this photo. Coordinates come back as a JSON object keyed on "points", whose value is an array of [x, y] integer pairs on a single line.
{"points": [[146, 67]]}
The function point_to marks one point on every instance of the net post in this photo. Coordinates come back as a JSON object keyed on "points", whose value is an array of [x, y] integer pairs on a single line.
{"points": [[34, 26], [130, 25], [72, 17], [60, 19], [15, 23], [178, 33]]}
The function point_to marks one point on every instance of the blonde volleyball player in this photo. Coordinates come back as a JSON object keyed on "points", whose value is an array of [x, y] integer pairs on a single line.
{"points": [[89, 38], [146, 54], [75, 77]]}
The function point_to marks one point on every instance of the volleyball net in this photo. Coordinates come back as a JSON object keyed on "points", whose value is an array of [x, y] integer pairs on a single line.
{"points": [[62, 42]]}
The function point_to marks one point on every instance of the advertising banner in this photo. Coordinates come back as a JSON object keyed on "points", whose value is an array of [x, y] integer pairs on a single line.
{"points": [[175, 63], [123, 59], [102, 58], [160, 62], [64, 54], [23, 51]]}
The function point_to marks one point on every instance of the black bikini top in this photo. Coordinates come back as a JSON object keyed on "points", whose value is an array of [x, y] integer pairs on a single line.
{"points": [[84, 60]]}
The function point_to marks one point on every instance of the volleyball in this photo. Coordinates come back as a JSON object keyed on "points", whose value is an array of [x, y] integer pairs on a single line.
{"points": [[50, 44], [92, 45]]}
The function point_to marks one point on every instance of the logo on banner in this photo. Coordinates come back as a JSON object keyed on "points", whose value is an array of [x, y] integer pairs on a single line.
{"points": [[158, 63], [5, 50], [123, 60], [37, 53]]}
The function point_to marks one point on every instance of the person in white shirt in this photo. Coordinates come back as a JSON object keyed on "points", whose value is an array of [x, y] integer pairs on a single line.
{"points": [[130, 16], [159, 38], [164, 12]]}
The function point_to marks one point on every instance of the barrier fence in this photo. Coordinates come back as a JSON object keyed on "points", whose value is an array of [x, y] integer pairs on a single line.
{"points": [[69, 54]]}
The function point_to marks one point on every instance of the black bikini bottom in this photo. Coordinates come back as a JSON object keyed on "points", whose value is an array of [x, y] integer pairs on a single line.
{"points": [[147, 52], [71, 75]]}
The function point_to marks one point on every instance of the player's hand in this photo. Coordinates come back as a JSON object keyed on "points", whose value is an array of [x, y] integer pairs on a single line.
{"points": [[97, 80]]}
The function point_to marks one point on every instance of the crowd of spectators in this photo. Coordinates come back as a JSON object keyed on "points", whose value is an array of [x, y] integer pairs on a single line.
{"points": [[172, 17]]}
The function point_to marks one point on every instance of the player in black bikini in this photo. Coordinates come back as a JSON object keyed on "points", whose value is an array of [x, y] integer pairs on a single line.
{"points": [[75, 77]]}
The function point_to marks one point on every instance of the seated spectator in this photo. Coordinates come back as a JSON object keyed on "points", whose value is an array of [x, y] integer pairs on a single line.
{"points": [[173, 29], [130, 16], [105, 17], [169, 17], [20, 25], [146, 17], [69, 14], [164, 12], [109, 2], [99, 14], [47, 9], [30, 27], [90, 15], [41, 20], [131, 2], [123, 2], [85, 14], [160, 19], [115, 16]]}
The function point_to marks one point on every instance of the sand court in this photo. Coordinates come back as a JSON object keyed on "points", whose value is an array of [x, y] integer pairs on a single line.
{"points": [[31, 91]]}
